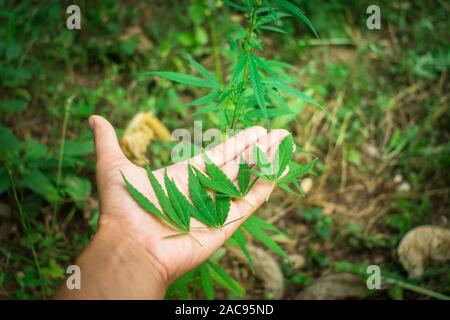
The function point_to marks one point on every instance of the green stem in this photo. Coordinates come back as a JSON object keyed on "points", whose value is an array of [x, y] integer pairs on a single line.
{"points": [[417, 289], [215, 47], [23, 220], [247, 49], [26, 227], [61, 156]]}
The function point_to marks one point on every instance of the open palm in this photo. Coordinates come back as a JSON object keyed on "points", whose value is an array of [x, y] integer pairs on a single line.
{"points": [[174, 256]]}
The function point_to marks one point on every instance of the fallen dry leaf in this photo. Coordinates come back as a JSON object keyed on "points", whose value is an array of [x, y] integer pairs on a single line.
{"points": [[143, 128]]}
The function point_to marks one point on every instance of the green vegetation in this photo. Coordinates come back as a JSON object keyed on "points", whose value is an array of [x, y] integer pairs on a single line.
{"points": [[368, 107]]}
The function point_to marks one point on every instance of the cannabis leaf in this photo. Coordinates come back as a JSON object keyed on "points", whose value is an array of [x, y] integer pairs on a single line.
{"points": [[164, 201], [296, 171], [257, 86], [209, 76], [296, 12], [177, 218], [217, 180], [222, 208], [240, 240], [283, 155], [240, 66], [257, 227], [220, 276], [182, 206], [185, 79], [206, 280], [272, 172], [145, 203], [262, 162], [244, 176], [293, 92], [206, 212]]}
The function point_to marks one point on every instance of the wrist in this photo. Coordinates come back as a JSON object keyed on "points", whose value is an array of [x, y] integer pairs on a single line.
{"points": [[116, 266], [130, 258]]}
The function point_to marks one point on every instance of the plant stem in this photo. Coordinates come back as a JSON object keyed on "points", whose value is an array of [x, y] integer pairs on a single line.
{"points": [[26, 227], [23, 220], [215, 46], [247, 49], [61, 156], [417, 289]]}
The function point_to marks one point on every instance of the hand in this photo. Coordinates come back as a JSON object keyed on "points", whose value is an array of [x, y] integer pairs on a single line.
{"points": [[138, 237]]}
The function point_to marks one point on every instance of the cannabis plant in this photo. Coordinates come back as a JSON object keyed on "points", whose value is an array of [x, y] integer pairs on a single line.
{"points": [[253, 92]]}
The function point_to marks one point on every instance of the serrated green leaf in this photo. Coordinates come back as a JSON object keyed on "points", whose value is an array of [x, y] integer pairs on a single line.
{"points": [[271, 113], [222, 208], [145, 203], [293, 92], [286, 187], [206, 211], [240, 239], [255, 228], [240, 66], [181, 284], [181, 205], [204, 179], [206, 109], [205, 99], [296, 12], [163, 200], [209, 76], [224, 279], [262, 162], [283, 155], [262, 224], [257, 86], [235, 6], [218, 180], [184, 79], [297, 171], [262, 64], [244, 176], [206, 280], [272, 28]]}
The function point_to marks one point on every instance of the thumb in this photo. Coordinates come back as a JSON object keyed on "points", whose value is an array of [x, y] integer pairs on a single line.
{"points": [[107, 148]]}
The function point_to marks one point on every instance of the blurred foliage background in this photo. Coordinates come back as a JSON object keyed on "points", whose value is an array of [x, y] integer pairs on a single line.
{"points": [[383, 157]]}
